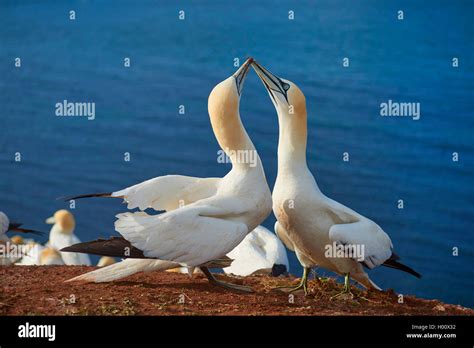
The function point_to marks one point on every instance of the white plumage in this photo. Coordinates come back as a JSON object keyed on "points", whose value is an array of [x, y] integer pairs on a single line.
{"points": [[309, 222], [205, 218], [259, 252], [62, 235]]}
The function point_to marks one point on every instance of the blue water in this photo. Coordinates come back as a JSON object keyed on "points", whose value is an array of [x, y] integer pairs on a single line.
{"points": [[178, 62]]}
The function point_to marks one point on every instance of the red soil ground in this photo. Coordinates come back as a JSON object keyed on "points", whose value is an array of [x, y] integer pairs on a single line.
{"points": [[40, 290]]}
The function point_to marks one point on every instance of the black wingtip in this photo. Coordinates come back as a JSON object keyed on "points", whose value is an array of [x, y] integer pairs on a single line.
{"points": [[26, 230], [89, 195], [15, 226], [115, 247]]}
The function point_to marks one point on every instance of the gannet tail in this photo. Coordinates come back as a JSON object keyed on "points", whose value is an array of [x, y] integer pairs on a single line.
{"points": [[123, 269]]}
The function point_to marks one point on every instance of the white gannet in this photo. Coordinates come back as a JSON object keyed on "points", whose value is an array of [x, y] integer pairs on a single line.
{"points": [[205, 218], [7, 244], [260, 252], [62, 235], [308, 222]]}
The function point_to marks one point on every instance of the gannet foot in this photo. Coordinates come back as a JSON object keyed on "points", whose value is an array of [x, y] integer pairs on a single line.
{"points": [[302, 285], [226, 285], [289, 289], [345, 294]]}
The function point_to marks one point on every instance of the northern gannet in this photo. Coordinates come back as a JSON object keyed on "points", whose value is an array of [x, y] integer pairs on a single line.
{"points": [[62, 235], [260, 252], [308, 222], [6, 226], [205, 218]]}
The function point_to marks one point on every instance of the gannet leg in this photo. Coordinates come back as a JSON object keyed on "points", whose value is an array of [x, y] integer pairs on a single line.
{"points": [[303, 283], [346, 293], [217, 282]]}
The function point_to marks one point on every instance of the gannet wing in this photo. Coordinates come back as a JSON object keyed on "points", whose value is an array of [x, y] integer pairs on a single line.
{"points": [[191, 235], [168, 192], [274, 248], [377, 244], [248, 256], [283, 235]]}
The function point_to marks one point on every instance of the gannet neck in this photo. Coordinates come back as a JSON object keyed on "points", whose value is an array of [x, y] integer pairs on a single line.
{"points": [[228, 128], [292, 141]]}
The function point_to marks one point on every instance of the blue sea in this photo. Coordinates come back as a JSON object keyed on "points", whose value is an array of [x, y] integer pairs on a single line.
{"points": [[177, 62]]}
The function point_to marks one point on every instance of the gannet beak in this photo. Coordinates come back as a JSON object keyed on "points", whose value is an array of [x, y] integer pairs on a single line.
{"points": [[51, 220], [15, 226], [272, 83], [241, 74]]}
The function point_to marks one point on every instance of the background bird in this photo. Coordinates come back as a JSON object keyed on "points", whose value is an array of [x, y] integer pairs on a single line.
{"points": [[62, 235], [7, 226]]}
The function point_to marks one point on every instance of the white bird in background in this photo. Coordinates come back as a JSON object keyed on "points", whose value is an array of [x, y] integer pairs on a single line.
{"points": [[308, 221], [6, 226], [40, 255], [106, 261], [260, 252], [205, 218], [62, 235]]}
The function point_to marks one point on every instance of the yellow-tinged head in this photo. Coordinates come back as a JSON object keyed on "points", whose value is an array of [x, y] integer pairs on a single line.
{"points": [[106, 261], [287, 97], [64, 219], [17, 240], [50, 256]]}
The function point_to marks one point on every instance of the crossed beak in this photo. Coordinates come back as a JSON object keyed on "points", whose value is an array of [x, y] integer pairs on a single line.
{"points": [[241, 74], [272, 83]]}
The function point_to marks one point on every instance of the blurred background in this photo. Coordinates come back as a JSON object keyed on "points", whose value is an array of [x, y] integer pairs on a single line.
{"points": [[177, 62]]}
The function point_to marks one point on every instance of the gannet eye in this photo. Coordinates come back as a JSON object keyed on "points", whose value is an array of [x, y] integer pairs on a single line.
{"points": [[286, 86]]}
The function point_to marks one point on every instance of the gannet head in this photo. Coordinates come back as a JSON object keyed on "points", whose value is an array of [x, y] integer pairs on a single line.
{"points": [[106, 261], [223, 107], [226, 94], [64, 219], [50, 256], [17, 240], [288, 99]]}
